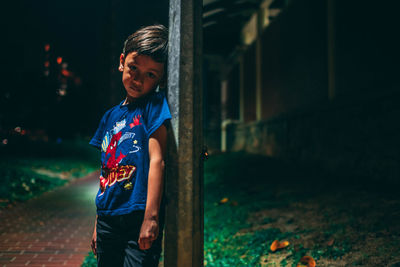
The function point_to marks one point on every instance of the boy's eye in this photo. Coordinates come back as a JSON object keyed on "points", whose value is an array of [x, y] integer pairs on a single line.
{"points": [[151, 75], [132, 67]]}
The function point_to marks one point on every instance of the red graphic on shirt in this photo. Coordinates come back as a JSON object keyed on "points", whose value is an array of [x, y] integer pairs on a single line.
{"points": [[103, 183], [113, 162], [136, 121], [118, 174]]}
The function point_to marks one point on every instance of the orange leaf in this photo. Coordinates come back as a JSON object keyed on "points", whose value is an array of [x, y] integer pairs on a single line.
{"points": [[307, 260], [284, 244], [278, 245], [224, 200], [274, 245]]}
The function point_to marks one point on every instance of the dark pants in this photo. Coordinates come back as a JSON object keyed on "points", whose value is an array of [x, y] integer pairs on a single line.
{"points": [[117, 241]]}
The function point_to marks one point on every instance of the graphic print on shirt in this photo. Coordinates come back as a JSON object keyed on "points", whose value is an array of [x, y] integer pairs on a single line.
{"points": [[112, 144], [136, 121]]}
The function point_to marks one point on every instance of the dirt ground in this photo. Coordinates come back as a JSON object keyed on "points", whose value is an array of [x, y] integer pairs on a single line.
{"points": [[346, 226]]}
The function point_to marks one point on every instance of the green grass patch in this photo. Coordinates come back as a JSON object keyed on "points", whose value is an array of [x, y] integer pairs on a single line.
{"points": [[30, 168], [228, 236], [90, 260]]}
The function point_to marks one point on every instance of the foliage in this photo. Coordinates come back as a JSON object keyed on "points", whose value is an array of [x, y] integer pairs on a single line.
{"points": [[90, 260], [238, 185], [30, 168]]}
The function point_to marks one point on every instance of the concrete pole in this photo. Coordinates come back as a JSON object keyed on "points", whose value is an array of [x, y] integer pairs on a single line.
{"points": [[184, 238]]}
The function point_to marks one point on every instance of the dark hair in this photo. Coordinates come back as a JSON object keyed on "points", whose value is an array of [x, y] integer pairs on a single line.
{"points": [[150, 41]]}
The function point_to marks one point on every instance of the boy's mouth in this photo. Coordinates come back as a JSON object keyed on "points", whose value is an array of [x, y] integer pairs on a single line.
{"points": [[135, 89]]}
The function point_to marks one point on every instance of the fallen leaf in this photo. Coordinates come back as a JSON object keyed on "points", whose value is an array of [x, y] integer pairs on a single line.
{"points": [[274, 245], [243, 256], [330, 242], [278, 245], [307, 260], [284, 244], [224, 200]]}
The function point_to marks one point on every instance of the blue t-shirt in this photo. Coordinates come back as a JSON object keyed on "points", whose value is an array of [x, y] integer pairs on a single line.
{"points": [[123, 138]]}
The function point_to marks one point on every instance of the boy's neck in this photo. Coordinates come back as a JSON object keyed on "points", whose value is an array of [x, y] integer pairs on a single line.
{"points": [[126, 101], [130, 100]]}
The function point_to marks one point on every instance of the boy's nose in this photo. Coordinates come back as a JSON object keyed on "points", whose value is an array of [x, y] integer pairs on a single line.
{"points": [[137, 77]]}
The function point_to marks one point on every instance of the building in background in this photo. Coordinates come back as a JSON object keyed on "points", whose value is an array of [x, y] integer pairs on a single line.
{"points": [[309, 81]]}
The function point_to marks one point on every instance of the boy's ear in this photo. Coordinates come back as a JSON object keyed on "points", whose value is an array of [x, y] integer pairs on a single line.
{"points": [[121, 62]]}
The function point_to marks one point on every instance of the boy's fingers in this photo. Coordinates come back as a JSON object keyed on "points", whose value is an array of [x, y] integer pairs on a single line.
{"points": [[149, 236], [145, 246], [145, 240], [144, 243], [94, 249]]}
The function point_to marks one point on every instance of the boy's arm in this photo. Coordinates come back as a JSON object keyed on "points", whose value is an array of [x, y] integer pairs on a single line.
{"points": [[150, 228]]}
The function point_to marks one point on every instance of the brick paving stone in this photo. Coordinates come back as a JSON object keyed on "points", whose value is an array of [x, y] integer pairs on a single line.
{"points": [[53, 229]]}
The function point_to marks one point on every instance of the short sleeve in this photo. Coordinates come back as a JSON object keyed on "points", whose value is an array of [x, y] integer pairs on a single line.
{"points": [[99, 134], [157, 112]]}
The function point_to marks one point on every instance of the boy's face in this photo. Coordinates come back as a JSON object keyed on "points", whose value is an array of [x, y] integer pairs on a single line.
{"points": [[140, 74]]}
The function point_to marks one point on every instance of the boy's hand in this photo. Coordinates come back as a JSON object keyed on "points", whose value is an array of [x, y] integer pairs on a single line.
{"points": [[93, 244], [148, 233]]}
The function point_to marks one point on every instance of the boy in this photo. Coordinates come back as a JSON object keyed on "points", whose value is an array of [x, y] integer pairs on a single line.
{"points": [[132, 139]]}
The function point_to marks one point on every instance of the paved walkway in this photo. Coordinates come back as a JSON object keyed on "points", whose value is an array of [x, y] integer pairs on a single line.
{"points": [[54, 229]]}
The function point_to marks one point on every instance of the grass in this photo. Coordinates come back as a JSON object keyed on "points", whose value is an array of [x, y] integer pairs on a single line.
{"points": [[89, 261], [225, 242], [232, 237], [29, 169]]}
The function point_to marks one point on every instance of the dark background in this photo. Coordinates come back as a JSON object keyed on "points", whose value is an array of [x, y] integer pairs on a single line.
{"points": [[89, 36]]}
